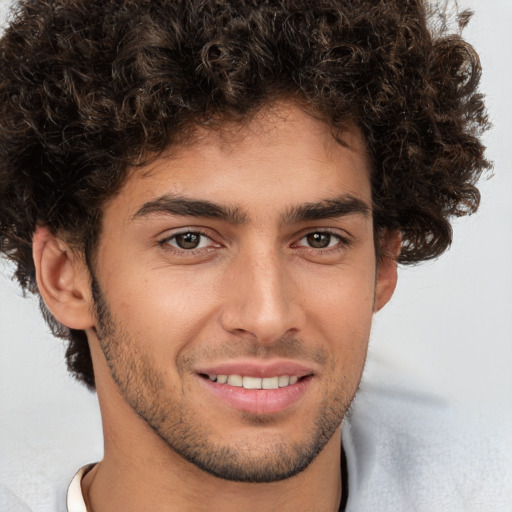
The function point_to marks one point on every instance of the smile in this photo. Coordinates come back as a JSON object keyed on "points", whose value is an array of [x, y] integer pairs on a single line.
{"points": [[258, 395], [248, 382]]}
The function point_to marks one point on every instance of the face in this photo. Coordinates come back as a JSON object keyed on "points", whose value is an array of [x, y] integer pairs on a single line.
{"points": [[235, 284]]}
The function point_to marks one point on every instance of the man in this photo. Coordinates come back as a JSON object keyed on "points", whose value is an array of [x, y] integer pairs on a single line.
{"points": [[211, 199]]}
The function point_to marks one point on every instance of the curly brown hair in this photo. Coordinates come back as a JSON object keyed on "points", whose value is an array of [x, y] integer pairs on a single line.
{"points": [[88, 86]]}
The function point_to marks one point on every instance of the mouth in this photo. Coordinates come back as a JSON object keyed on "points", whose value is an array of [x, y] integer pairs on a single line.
{"points": [[258, 389]]}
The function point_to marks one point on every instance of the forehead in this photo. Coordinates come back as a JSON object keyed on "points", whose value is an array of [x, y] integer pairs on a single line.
{"points": [[282, 154]]}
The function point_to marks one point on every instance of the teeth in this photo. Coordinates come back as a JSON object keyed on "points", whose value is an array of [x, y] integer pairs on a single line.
{"points": [[255, 382], [251, 383], [283, 381], [270, 383], [235, 380]]}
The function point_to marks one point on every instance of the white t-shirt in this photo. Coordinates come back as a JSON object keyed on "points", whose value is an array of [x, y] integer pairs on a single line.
{"points": [[75, 498]]}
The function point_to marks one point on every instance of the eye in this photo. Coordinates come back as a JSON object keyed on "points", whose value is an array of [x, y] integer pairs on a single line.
{"points": [[320, 240], [189, 240]]}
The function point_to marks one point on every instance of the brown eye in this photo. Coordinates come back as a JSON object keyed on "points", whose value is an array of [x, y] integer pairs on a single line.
{"points": [[319, 240], [188, 240]]}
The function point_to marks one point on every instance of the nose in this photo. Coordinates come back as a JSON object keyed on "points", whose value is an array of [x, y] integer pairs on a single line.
{"points": [[261, 299]]}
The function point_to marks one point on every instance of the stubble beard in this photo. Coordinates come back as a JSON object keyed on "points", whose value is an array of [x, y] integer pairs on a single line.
{"points": [[144, 389]]}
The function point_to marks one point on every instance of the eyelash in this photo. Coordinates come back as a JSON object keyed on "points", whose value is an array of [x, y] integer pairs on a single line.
{"points": [[342, 242], [167, 246]]}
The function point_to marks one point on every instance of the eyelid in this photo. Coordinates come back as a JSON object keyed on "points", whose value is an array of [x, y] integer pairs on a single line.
{"points": [[172, 234], [344, 237]]}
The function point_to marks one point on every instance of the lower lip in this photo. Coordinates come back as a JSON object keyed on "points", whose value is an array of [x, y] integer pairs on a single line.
{"points": [[260, 401]]}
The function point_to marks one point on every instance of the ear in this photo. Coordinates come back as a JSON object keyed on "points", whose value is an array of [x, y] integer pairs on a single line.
{"points": [[63, 280], [390, 246]]}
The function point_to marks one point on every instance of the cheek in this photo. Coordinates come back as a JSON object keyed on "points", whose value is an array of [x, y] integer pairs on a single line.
{"points": [[340, 312], [163, 312], [341, 295]]}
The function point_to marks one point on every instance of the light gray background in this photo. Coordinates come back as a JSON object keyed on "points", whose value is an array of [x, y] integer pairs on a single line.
{"points": [[431, 426]]}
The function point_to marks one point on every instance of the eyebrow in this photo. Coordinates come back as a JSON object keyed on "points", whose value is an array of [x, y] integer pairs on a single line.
{"points": [[189, 207], [327, 209], [179, 205]]}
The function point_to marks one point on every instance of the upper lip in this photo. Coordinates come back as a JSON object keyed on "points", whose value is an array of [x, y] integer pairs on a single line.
{"points": [[253, 368]]}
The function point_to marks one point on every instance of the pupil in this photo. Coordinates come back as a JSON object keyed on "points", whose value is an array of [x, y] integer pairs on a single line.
{"points": [[188, 240], [318, 240]]}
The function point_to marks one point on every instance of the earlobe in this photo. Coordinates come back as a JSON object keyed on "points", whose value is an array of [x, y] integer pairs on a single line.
{"points": [[62, 279], [387, 272]]}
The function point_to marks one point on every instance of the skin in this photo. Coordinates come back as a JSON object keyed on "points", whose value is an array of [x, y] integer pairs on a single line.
{"points": [[259, 288]]}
